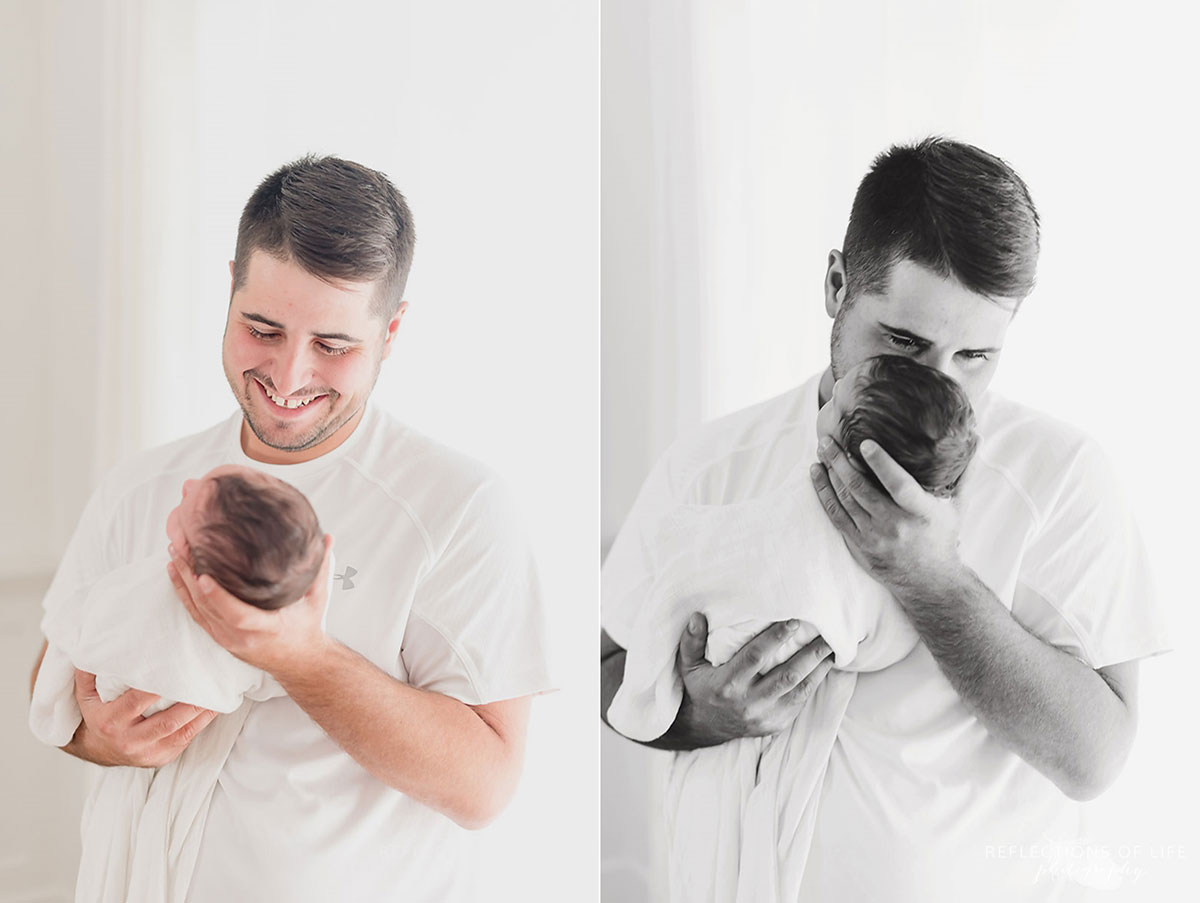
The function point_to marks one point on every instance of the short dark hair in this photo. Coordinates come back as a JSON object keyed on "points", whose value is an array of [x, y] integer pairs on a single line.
{"points": [[260, 540], [947, 206], [918, 415], [336, 219]]}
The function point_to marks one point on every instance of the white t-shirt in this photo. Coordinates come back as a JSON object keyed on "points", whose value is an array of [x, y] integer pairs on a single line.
{"points": [[435, 585], [920, 802]]}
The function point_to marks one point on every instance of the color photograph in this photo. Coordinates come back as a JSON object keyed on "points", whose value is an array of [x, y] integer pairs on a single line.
{"points": [[300, 485]]}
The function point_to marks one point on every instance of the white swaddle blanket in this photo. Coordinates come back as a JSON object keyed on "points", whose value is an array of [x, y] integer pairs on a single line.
{"points": [[740, 816], [141, 827]]}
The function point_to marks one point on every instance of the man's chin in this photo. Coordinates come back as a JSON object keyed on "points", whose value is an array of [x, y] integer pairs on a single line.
{"points": [[284, 436], [284, 440]]}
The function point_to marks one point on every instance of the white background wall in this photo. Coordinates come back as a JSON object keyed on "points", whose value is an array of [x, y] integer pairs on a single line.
{"points": [[132, 133], [729, 164]]}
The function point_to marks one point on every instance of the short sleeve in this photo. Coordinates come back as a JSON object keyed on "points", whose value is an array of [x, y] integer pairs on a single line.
{"points": [[476, 631], [90, 554], [1085, 583]]}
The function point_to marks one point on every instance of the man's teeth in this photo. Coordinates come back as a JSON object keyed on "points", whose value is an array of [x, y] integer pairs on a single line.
{"points": [[289, 402]]}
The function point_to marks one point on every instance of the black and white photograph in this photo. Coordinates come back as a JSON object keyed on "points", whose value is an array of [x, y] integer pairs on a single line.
{"points": [[896, 516]]}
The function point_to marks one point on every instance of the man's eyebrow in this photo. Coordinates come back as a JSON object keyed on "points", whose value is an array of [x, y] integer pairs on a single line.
{"points": [[921, 340], [904, 333], [259, 318], [327, 336], [337, 337]]}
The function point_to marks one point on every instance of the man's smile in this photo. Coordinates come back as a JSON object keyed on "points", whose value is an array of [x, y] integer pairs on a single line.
{"points": [[287, 404]]}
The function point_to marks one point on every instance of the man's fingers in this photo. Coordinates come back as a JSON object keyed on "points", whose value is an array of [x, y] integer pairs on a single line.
{"points": [[904, 490], [167, 749], [831, 503], [800, 696], [210, 603], [133, 703], [857, 494], [747, 661], [125, 707], [692, 643], [85, 685], [187, 733], [187, 584], [169, 721], [787, 676], [846, 495], [224, 608], [175, 571], [178, 548]]}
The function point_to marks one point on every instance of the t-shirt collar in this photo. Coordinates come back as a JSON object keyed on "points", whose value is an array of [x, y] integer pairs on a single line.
{"points": [[290, 472]]}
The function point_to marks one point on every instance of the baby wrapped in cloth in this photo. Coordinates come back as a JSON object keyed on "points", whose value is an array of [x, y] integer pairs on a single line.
{"points": [[740, 816], [257, 537]]}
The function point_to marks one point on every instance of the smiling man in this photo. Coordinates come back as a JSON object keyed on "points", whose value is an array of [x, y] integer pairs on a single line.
{"points": [[1030, 594], [405, 716]]}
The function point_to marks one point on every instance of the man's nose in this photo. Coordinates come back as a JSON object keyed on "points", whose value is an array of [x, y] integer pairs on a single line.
{"points": [[944, 363], [291, 371]]}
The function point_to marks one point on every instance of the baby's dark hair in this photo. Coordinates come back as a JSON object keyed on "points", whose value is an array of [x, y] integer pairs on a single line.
{"points": [[260, 540], [918, 415]]}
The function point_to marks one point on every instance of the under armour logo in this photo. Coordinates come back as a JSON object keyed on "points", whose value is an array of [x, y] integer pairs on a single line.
{"points": [[345, 576]]}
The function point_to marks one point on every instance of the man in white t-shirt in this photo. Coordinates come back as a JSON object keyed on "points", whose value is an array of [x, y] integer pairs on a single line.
{"points": [[1031, 595], [405, 718]]}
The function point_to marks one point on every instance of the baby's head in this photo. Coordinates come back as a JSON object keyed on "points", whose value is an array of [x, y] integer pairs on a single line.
{"points": [[253, 534], [919, 416]]}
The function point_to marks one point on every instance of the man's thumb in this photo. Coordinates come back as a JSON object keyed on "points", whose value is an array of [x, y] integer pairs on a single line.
{"points": [[85, 685], [695, 638]]}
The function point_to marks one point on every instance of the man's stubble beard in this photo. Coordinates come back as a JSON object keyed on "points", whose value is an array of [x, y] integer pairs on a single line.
{"points": [[835, 343], [322, 431]]}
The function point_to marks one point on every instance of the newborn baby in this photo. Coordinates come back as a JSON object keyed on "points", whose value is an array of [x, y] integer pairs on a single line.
{"points": [[255, 535], [778, 557], [919, 416]]}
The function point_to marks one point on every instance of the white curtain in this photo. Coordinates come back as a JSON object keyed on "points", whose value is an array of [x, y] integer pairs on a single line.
{"points": [[78, 243]]}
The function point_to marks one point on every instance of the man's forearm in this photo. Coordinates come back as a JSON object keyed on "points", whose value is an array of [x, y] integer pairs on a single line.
{"points": [[1054, 711], [435, 749]]}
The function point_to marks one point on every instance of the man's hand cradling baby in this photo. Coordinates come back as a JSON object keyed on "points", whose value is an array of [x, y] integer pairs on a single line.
{"points": [[119, 732], [902, 535], [726, 702], [275, 641]]}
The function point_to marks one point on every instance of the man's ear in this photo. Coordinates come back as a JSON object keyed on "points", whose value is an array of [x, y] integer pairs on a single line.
{"points": [[835, 283], [393, 327], [231, 280]]}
